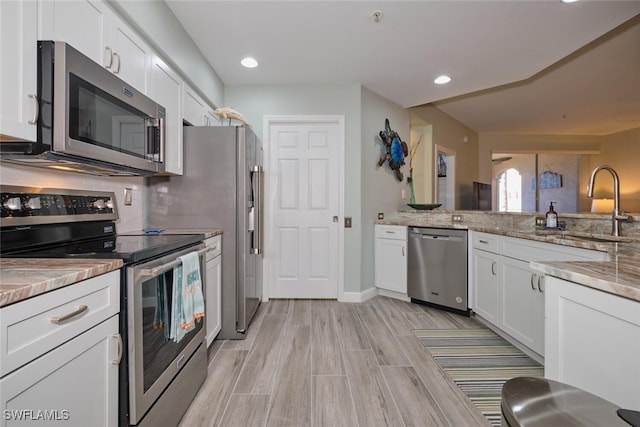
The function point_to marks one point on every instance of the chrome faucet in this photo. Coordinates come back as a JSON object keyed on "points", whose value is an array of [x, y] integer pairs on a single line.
{"points": [[617, 215]]}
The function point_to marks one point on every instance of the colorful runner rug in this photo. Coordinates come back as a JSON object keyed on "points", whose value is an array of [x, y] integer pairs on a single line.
{"points": [[479, 362]]}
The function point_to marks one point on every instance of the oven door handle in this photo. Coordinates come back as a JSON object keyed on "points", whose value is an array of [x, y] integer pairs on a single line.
{"points": [[168, 266]]}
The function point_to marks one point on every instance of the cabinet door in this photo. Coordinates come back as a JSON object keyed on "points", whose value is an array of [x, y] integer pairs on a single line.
{"points": [[486, 289], [18, 36], [391, 265], [193, 108], [522, 310], [210, 119], [82, 23], [77, 383], [213, 298], [593, 341], [165, 87], [131, 56]]}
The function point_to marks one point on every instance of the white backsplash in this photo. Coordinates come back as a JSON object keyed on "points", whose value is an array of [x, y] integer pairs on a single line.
{"points": [[131, 218]]}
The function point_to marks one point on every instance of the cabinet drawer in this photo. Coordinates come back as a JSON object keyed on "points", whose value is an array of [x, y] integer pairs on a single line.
{"points": [[396, 232], [215, 245], [33, 327], [485, 241]]}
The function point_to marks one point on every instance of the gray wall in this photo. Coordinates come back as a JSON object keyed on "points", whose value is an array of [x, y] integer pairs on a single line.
{"points": [[381, 191], [369, 189], [255, 102]]}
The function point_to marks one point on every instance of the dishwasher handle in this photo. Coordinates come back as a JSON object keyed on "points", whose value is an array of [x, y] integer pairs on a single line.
{"points": [[431, 235]]}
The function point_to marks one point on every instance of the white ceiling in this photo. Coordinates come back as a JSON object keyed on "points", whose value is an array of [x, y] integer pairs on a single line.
{"points": [[539, 67]]}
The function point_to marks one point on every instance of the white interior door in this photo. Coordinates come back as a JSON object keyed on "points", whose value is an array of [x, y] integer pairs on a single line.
{"points": [[304, 208]]}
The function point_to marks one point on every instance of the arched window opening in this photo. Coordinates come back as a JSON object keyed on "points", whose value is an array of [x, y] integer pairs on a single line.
{"points": [[510, 191]]}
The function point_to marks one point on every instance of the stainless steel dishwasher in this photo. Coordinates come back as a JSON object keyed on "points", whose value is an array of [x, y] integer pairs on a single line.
{"points": [[437, 268]]}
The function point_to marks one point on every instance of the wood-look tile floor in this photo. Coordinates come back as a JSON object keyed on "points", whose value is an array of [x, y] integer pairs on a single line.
{"points": [[325, 363]]}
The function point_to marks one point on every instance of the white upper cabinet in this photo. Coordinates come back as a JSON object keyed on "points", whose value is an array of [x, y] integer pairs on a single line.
{"points": [[194, 107], [95, 30], [130, 55], [18, 44], [165, 87], [195, 110], [83, 24]]}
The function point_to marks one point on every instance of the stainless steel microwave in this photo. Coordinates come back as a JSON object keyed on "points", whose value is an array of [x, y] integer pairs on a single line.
{"points": [[90, 120]]}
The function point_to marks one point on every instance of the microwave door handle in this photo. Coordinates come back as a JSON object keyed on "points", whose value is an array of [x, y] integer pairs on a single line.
{"points": [[155, 271], [161, 124]]}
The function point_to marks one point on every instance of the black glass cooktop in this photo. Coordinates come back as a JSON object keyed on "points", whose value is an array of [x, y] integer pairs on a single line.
{"points": [[129, 248]]}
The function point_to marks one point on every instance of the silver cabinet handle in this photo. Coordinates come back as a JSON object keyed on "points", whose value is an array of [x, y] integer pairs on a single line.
{"points": [[403, 251], [36, 109], [77, 312], [390, 232], [486, 242], [117, 70], [493, 268], [118, 339], [533, 286], [108, 63], [539, 284]]}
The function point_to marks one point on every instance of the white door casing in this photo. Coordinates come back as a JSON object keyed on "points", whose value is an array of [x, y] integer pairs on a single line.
{"points": [[304, 189]]}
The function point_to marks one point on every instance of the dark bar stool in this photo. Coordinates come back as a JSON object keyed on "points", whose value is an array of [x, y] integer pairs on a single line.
{"points": [[538, 402]]}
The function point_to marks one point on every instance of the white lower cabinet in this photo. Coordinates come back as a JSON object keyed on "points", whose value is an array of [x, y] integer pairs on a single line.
{"points": [[592, 341], [74, 385], [60, 353], [507, 293], [391, 258], [213, 290], [485, 277], [522, 303]]}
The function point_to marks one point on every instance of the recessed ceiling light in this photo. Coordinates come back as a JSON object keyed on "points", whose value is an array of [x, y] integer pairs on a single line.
{"points": [[568, 1], [443, 79], [249, 62]]}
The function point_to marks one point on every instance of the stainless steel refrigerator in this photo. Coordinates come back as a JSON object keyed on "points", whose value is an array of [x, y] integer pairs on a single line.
{"points": [[221, 188]]}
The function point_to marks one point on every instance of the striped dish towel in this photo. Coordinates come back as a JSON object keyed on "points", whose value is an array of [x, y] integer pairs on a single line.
{"points": [[188, 302]]}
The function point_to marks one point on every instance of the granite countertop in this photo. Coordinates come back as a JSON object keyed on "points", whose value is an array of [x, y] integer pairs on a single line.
{"points": [[619, 277], [22, 278]]}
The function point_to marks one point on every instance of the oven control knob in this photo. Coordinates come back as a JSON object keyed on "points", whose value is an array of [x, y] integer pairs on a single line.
{"points": [[99, 204], [110, 203], [13, 203], [34, 203]]}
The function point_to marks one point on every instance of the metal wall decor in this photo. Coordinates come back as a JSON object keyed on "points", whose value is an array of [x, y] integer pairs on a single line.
{"points": [[396, 149]]}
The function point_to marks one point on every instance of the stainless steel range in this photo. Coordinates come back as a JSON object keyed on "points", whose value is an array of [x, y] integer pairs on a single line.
{"points": [[158, 376]]}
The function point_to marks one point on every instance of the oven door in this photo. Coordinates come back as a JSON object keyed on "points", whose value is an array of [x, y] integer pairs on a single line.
{"points": [[154, 358]]}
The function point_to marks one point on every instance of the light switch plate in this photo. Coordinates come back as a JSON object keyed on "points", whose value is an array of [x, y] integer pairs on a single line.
{"points": [[128, 196]]}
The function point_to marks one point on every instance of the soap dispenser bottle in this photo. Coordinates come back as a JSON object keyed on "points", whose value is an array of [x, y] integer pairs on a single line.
{"points": [[551, 217]]}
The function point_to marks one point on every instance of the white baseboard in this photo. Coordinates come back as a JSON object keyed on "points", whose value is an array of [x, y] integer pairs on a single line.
{"points": [[359, 296], [393, 294], [370, 293]]}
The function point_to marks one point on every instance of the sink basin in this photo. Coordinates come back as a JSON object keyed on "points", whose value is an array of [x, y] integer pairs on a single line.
{"points": [[586, 237], [599, 238]]}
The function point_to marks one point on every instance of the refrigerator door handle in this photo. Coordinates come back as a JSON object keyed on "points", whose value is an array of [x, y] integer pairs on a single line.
{"points": [[257, 211]]}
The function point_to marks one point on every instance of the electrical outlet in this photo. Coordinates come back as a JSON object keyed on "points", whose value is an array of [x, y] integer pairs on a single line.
{"points": [[540, 221], [347, 222], [456, 218]]}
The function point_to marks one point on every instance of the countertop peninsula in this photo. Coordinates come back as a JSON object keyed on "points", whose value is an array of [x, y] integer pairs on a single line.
{"points": [[620, 275]]}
